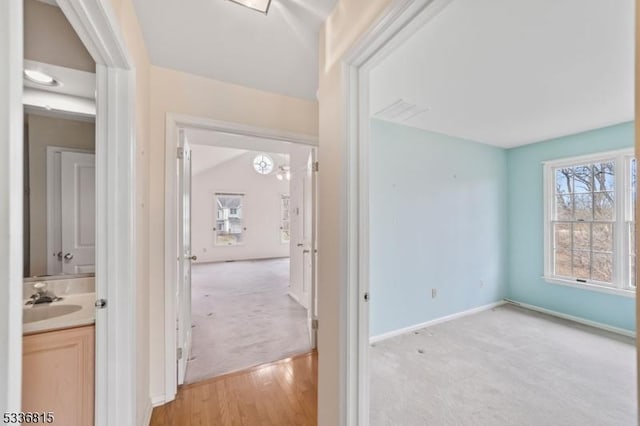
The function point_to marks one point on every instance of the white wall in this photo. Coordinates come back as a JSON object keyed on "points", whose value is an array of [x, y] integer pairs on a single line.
{"points": [[261, 210]]}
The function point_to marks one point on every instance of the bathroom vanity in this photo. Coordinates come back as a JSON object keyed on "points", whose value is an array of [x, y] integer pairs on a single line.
{"points": [[58, 352]]}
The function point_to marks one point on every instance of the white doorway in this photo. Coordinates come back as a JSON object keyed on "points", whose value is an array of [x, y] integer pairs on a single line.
{"points": [[227, 229], [115, 182]]}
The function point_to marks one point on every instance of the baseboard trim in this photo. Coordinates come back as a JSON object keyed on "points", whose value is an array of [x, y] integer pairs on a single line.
{"points": [[433, 322], [158, 400], [612, 329], [148, 409]]}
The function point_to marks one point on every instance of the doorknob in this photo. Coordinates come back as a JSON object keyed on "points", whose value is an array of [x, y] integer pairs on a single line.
{"points": [[68, 256], [306, 251], [194, 258], [300, 244]]}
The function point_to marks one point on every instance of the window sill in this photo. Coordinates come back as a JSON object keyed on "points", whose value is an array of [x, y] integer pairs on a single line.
{"points": [[592, 287]]}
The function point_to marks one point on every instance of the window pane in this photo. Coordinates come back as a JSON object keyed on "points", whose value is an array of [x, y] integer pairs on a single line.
{"points": [[582, 236], [562, 236], [583, 206], [602, 267], [581, 264], [564, 207], [632, 271], [564, 181], [562, 263], [602, 237], [603, 176], [229, 219], [603, 206], [582, 179]]}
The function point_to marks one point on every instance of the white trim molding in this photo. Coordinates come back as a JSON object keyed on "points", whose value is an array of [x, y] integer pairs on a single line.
{"points": [[11, 198], [175, 123], [612, 329], [97, 26], [396, 24], [435, 321], [623, 208]]}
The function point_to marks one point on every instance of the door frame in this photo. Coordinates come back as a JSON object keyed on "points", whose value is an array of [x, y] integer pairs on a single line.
{"points": [[174, 124], [11, 196], [399, 21], [99, 30]]}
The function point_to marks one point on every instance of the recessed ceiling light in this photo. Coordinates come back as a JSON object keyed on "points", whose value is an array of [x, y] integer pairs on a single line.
{"points": [[261, 6], [39, 77]]}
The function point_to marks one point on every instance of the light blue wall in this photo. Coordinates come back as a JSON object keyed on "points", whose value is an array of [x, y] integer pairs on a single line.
{"points": [[526, 236], [438, 220]]}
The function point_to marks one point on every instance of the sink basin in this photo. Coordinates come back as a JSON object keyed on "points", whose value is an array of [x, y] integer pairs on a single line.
{"points": [[47, 311]]}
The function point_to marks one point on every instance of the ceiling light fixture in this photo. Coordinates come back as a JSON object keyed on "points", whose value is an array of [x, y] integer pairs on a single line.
{"points": [[284, 172], [40, 77], [261, 6]]}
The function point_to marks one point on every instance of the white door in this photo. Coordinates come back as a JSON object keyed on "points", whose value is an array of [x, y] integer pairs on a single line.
{"points": [[78, 207], [184, 257], [309, 257]]}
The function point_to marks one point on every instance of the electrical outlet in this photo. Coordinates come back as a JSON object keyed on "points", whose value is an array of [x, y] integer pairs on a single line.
{"points": [[434, 293]]}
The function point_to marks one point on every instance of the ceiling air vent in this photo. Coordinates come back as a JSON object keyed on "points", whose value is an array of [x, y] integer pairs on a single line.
{"points": [[400, 110]]}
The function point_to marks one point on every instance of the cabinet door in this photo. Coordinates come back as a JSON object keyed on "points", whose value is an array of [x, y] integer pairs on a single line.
{"points": [[58, 375]]}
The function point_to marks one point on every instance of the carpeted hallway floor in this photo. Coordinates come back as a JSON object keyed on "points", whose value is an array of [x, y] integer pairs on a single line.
{"points": [[508, 366], [242, 316]]}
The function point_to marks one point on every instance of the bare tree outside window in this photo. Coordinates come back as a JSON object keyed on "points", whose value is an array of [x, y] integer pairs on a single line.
{"points": [[584, 221]]}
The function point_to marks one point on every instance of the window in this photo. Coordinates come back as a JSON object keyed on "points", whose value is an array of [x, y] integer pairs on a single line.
{"points": [[590, 222], [229, 227], [263, 164], [285, 223]]}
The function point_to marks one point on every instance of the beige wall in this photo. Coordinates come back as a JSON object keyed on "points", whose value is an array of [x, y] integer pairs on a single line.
{"points": [[49, 38], [43, 132], [178, 92], [126, 15], [349, 20]]}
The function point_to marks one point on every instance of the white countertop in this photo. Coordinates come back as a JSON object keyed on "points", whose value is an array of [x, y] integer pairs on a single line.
{"points": [[84, 316]]}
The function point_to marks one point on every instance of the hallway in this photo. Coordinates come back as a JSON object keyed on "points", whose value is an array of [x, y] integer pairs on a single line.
{"points": [[242, 317]]}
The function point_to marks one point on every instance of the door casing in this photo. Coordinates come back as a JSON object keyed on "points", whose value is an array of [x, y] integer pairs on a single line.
{"points": [[175, 123], [98, 28]]}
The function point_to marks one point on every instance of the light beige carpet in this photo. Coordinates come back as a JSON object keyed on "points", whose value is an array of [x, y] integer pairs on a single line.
{"points": [[242, 316], [510, 367]]}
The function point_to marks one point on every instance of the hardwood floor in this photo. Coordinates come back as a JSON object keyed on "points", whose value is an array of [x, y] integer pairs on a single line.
{"points": [[279, 394]]}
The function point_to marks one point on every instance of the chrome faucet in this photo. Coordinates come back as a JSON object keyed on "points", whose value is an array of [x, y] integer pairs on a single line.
{"points": [[42, 295]]}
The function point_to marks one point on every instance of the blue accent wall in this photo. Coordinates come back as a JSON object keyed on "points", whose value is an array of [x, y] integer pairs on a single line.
{"points": [[438, 220], [526, 232], [447, 213]]}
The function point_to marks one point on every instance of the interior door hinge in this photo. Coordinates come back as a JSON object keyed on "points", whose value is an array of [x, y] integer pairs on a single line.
{"points": [[314, 324], [179, 354], [316, 166], [180, 152]]}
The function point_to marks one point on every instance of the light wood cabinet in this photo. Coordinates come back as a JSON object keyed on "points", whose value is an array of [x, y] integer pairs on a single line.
{"points": [[58, 375]]}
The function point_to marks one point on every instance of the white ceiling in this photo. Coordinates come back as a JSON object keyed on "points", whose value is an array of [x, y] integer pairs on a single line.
{"points": [[205, 157], [210, 149], [224, 41], [512, 72]]}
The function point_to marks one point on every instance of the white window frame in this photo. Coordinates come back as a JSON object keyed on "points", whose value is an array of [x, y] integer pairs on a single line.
{"points": [[217, 195], [623, 215]]}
